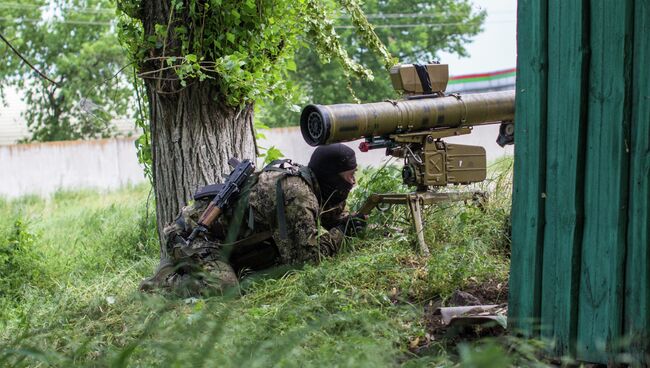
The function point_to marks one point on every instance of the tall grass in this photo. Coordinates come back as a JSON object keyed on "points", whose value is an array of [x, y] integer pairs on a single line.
{"points": [[72, 299]]}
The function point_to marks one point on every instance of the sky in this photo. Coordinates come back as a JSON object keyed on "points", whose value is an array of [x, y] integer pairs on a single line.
{"points": [[493, 49]]}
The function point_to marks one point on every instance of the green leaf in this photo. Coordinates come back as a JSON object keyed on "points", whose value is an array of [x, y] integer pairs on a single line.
{"points": [[291, 65], [272, 154]]}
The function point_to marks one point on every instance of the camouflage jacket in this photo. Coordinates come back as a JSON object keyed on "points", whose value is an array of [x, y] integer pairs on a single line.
{"points": [[311, 232]]}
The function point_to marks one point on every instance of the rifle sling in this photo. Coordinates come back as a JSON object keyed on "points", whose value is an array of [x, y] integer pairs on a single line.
{"points": [[253, 239]]}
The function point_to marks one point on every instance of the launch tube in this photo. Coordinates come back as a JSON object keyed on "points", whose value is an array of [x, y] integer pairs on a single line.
{"points": [[325, 124]]}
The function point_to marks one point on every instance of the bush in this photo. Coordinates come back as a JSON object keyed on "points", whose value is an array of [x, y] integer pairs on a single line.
{"points": [[20, 264]]}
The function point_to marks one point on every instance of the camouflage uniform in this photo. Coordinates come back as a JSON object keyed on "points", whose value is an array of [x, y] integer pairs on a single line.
{"points": [[311, 233]]}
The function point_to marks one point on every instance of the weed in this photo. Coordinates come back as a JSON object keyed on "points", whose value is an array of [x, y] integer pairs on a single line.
{"points": [[19, 262], [361, 308]]}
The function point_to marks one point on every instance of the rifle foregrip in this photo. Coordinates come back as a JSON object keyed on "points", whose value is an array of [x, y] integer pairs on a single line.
{"points": [[209, 215]]}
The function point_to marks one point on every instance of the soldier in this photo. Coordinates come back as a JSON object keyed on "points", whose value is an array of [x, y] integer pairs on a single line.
{"points": [[286, 214]]}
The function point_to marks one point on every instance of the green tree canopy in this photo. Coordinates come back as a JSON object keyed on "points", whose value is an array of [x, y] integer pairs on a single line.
{"points": [[74, 44], [206, 62], [413, 31]]}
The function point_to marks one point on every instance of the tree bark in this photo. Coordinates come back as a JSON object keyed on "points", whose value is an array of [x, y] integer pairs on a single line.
{"points": [[193, 131], [193, 136]]}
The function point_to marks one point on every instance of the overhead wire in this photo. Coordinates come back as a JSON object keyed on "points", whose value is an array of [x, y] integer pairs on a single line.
{"points": [[393, 16], [74, 22], [19, 6], [413, 25], [432, 25], [343, 16], [41, 74]]}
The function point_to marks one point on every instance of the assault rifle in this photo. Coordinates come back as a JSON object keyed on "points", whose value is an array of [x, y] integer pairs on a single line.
{"points": [[225, 196], [413, 130]]}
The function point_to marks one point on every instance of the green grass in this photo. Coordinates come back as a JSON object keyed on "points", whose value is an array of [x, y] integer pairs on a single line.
{"points": [[71, 265]]}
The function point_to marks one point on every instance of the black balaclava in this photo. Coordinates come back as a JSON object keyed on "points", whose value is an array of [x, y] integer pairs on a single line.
{"points": [[326, 163]]}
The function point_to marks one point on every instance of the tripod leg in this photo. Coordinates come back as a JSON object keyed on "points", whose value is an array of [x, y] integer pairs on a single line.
{"points": [[416, 214]]}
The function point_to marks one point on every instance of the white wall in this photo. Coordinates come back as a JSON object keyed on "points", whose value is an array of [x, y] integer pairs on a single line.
{"points": [[42, 168]]}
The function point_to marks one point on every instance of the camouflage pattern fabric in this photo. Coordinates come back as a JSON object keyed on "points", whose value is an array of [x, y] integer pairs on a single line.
{"points": [[203, 267], [194, 269], [305, 243]]}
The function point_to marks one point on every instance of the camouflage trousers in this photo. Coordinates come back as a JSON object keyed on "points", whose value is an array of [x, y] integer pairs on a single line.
{"points": [[191, 269]]}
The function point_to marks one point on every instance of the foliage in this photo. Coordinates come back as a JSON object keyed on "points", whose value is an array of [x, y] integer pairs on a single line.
{"points": [[413, 31], [244, 47], [72, 43], [267, 154], [361, 308], [19, 262], [75, 234], [143, 143]]}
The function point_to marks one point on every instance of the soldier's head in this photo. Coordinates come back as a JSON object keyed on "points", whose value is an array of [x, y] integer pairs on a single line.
{"points": [[334, 166]]}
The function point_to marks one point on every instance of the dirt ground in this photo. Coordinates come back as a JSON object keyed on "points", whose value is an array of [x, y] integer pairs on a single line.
{"points": [[485, 293]]}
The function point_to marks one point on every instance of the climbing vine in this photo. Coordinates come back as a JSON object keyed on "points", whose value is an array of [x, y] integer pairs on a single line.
{"points": [[244, 47]]}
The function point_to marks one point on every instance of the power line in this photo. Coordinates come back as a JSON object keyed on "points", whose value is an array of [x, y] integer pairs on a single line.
{"points": [[344, 16], [74, 22], [27, 62], [78, 10], [412, 15], [430, 25]]}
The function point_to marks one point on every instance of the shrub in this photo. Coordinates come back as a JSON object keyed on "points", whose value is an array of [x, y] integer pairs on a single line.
{"points": [[19, 262]]}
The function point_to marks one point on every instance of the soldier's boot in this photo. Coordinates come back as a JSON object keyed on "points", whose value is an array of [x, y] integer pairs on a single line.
{"points": [[160, 277]]}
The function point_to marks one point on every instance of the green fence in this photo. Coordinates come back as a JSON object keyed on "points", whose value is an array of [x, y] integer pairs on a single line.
{"points": [[581, 238]]}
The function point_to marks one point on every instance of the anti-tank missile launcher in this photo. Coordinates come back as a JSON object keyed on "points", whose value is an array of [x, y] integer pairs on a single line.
{"points": [[413, 129]]}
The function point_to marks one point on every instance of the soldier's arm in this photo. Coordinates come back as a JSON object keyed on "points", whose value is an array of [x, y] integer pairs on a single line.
{"points": [[306, 241], [334, 216]]}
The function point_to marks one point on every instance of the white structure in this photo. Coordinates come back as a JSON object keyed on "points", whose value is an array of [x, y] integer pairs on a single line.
{"points": [[42, 168]]}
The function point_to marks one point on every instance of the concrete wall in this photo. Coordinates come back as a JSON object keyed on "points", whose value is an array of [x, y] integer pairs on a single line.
{"points": [[42, 168]]}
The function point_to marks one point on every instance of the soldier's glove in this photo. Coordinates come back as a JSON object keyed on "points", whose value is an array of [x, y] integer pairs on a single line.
{"points": [[353, 225]]}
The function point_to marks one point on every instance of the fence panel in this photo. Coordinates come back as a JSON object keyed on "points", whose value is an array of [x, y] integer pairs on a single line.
{"points": [[606, 175], [566, 127], [637, 295], [528, 204]]}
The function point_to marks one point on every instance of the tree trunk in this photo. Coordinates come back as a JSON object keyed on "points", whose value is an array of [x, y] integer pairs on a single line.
{"points": [[193, 135], [193, 131]]}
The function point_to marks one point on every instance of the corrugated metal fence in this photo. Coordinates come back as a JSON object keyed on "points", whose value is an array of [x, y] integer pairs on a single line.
{"points": [[581, 238]]}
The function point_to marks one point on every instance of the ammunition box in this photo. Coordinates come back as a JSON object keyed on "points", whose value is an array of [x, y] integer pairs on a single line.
{"points": [[452, 164], [465, 164]]}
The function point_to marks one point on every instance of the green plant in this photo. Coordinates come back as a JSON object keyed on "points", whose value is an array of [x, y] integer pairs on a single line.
{"points": [[361, 308], [414, 31], [269, 154], [19, 261]]}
